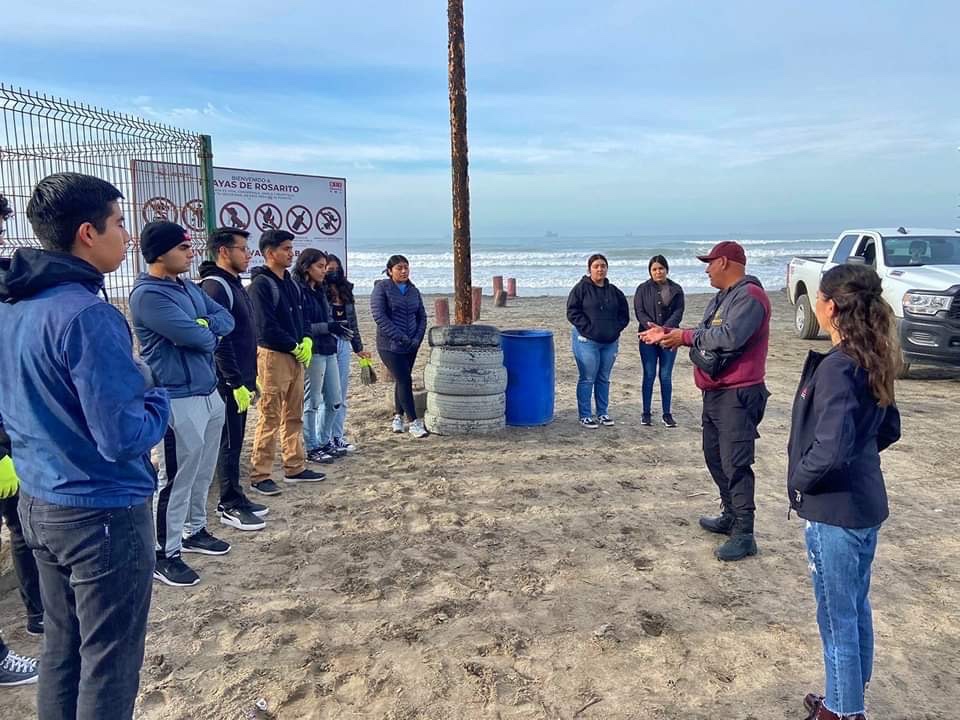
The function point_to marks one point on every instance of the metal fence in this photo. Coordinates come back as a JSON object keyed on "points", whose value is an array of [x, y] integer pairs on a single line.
{"points": [[147, 161]]}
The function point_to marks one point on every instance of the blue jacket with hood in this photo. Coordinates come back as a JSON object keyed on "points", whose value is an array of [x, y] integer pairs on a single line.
{"points": [[80, 416], [177, 349]]}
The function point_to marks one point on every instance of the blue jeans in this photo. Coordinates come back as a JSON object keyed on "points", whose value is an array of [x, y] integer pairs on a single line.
{"points": [[344, 356], [840, 560], [651, 356], [96, 578], [321, 398], [594, 361]]}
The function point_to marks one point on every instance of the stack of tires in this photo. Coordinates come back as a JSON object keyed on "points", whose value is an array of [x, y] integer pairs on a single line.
{"points": [[465, 380]]}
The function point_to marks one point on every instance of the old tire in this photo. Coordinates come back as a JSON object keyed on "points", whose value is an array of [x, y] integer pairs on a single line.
{"points": [[459, 335], [467, 355], [467, 407], [464, 380], [448, 426], [903, 371], [805, 320]]}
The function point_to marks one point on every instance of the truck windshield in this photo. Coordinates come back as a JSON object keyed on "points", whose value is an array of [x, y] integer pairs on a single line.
{"points": [[912, 251]]}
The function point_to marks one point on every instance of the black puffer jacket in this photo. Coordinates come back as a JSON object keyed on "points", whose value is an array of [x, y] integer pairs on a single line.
{"points": [[319, 317], [837, 433], [599, 313], [649, 306]]}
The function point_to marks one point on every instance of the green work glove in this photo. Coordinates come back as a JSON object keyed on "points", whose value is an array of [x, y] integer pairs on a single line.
{"points": [[297, 352], [9, 482], [202, 322], [308, 345], [242, 396]]}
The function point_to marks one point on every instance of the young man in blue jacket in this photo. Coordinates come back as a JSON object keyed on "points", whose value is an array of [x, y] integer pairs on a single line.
{"points": [[179, 328], [82, 421]]}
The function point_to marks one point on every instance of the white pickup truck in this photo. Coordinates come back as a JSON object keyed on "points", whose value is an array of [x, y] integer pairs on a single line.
{"points": [[920, 270]]}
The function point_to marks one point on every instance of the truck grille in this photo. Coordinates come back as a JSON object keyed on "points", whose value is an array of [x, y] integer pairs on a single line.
{"points": [[954, 312]]}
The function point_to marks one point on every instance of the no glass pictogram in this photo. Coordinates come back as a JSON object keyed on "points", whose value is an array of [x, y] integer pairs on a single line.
{"points": [[235, 215], [328, 221], [192, 214], [299, 219], [159, 208], [268, 217]]}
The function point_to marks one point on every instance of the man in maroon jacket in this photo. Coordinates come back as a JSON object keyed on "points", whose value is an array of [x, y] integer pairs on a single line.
{"points": [[729, 351]]}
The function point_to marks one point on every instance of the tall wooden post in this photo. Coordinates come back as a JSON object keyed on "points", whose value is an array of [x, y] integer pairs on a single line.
{"points": [[462, 279]]}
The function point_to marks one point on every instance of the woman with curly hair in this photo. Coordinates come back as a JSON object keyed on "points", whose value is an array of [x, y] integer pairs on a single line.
{"points": [[843, 417]]}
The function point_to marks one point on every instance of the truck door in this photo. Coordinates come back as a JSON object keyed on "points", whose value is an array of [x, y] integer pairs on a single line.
{"points": [[867, 248]]}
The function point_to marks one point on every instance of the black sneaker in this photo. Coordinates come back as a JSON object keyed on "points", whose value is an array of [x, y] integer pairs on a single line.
{"points": [[331, 448], [668, 421], [241, 519], [175, 572], [320, 456], [589, 422], [266, 487], [204, 543], [17, 670], [645, 419], [35, 626], [261, 511], [305, 476]]}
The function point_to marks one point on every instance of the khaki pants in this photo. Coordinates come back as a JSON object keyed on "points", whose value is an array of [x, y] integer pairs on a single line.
{"points": [[281, 412]]}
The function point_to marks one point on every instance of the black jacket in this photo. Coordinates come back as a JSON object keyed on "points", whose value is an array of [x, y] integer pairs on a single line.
{"points": [[236, 355], [598, 313], [649, 306], [278, 310], [318, 318], [836, 436], [349, 313]]}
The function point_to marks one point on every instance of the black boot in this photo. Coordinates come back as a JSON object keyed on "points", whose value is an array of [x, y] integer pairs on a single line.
{"points": [[722, 524], [741, 542]]}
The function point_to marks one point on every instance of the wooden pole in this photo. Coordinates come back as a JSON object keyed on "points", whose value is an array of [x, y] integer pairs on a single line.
{"points": [[462, 279], [441, 311]]}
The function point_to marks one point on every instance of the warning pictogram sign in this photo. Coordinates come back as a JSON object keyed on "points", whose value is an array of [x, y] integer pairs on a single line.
{"points": [[192, 215], [159, 208], [328, 221], [268, 217], [235, 215], [299, 219]]}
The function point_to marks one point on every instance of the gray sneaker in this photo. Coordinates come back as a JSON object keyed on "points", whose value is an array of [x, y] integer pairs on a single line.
{"points": [[17, 670]]}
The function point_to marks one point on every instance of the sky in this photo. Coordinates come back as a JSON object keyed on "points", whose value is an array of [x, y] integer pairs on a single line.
{"points": [[584, 118]]}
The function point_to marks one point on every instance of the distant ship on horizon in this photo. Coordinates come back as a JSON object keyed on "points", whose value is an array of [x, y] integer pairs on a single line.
{"points": [[550, 234]]}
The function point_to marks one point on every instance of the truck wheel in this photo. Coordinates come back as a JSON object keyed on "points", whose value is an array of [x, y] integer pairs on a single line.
{"points": [[464, 380], [448, 426], [458, 335], [804, 319], [466, 407], [903, 372]]}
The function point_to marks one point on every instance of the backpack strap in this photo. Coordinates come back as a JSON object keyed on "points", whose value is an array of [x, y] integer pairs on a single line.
{"points": [[226, 288]]}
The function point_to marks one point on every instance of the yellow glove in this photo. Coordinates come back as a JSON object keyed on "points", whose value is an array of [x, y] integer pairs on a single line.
{"points": [[308, 345], [242, 396], [202, 322], [9, 482]]}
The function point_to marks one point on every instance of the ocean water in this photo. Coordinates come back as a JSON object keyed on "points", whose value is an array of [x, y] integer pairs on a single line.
{"points": [[553, 265]]}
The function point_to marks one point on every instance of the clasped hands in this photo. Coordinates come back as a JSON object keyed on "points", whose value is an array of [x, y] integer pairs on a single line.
{"points": [[659, 335]]}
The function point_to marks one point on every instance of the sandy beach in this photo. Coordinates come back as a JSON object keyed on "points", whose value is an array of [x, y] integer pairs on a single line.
{"points": [[552, 572]]}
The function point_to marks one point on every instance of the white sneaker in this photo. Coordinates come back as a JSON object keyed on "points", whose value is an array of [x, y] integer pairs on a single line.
{"points": [[417, 429], [398, 423]]}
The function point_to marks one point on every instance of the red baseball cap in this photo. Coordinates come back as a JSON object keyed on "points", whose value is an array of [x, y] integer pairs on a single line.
{"points": [[729, 249]]}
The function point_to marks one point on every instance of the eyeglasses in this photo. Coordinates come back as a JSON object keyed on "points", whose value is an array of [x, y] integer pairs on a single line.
{"points": [[244, 248]]}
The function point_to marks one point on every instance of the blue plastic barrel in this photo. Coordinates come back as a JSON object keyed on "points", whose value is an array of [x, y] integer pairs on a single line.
{"points": [[528, 357]]}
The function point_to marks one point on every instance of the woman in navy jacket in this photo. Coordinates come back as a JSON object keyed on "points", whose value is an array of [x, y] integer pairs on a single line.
{"points": [[843, 417], [658, 301], [401, 319]]}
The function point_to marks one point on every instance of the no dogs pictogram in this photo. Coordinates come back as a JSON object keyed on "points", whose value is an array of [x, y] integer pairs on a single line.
{"points": [[328, 221], [159, 208], [192, 214], [268, 217], [299, 219], [235, 215]]}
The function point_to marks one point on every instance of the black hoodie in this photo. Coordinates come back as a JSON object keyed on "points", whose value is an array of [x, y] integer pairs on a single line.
{"points": [[278, 309], [599, 313], [236, 355]]}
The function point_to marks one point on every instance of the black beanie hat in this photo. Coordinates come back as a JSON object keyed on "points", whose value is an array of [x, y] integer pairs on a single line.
{"points": [[158, 237]]}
